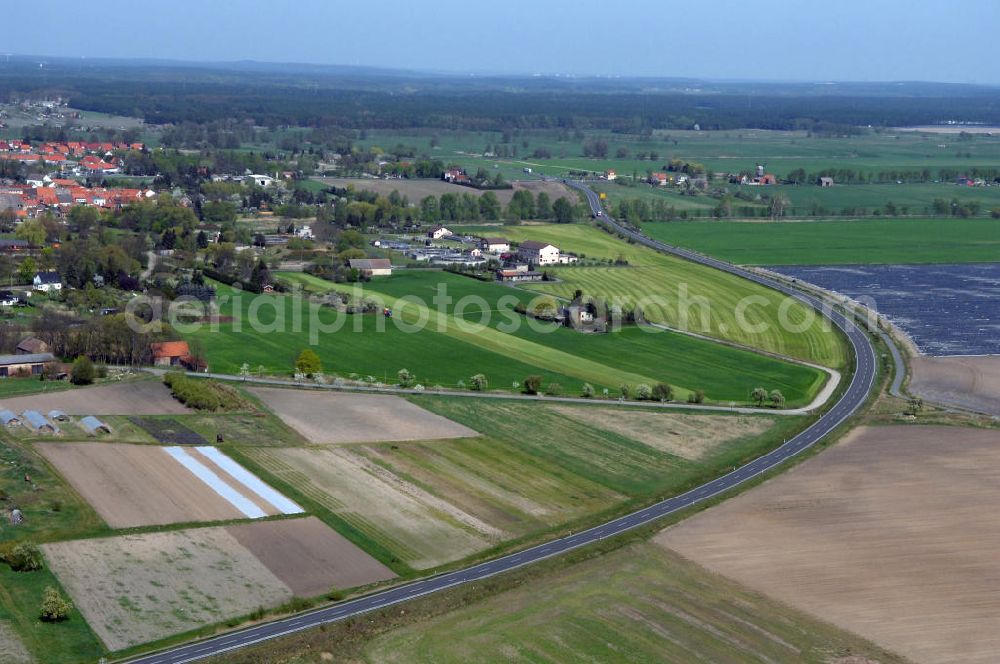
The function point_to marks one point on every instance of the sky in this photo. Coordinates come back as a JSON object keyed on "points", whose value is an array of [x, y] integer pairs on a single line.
{"points": [[793, 40]]}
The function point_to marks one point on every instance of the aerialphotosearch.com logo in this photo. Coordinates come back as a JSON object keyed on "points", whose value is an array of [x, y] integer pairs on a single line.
{"points": [[352, 307]]}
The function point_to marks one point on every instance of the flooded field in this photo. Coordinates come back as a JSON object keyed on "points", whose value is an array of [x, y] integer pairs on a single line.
{"points": [[945, 309]]}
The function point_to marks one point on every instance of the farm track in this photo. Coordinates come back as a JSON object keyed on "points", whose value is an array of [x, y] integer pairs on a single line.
{"points": [[853, 399]]}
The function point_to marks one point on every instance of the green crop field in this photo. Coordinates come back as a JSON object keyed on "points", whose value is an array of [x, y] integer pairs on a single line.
{"points": [[685, 295], [632, 354], [838, 242], [638, 604]]}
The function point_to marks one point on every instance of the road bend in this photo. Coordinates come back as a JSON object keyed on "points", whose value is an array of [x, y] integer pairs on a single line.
{"points": [[852, 399]]}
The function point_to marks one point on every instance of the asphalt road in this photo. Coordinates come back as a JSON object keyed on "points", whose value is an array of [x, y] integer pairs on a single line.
{"points": [[851, 400]]}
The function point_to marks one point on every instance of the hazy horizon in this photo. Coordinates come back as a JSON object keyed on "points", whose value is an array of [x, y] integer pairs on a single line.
{"points": [[852, 41]]}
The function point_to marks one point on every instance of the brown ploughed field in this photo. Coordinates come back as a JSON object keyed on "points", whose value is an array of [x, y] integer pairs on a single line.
{"points": [[341, 417], [143, 397], [891, 534], [966, 382], [308, 556], [136, 485]]}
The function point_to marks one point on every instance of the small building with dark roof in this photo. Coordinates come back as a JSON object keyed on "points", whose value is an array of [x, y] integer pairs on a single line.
{"points": [[24, 365]]}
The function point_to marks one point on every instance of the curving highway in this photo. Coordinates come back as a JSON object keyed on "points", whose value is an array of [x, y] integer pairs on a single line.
{"points": [[852, 399]]}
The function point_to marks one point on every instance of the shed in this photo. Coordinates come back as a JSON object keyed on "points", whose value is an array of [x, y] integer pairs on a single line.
{"points": [[38, 423], [58, 416], [93, 426], [9, 418]]}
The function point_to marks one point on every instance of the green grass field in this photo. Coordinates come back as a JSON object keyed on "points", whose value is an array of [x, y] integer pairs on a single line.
{"points": [[638, 604], [52, 511], [685, 295], [838, 242], [730, 150], [630, 355]]}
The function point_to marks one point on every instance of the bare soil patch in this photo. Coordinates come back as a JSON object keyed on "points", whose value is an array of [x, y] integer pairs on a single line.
{"points": [[891, 534], [308, 556], [420, 528], [12, 650], [142, 397], [417, 189], [966, 382], [139, 588], [687, 436], [136, 485], [339, 417]]}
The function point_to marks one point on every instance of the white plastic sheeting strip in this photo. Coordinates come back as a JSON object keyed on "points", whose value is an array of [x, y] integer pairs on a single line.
{"points": [[250, 481], [238, 500]]}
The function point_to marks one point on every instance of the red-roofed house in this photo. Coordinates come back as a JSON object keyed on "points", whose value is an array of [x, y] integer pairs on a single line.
{"points": [[169, 353]]}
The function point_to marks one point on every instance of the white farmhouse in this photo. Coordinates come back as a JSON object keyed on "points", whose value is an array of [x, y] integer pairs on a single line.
{"points": [[538, 253], [438, 232], [47, 281]]}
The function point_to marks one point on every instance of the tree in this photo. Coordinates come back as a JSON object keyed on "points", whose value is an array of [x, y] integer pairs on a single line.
{"points": [[308, 363], [543, 206], [489, 206], [83, 372], [777, 398], [779, 202], [643, 392], [478, 383], [758, 395], [663, 392], [405, 377], [55, 607], [563, 211], [31, 230], [588, 391], [532, 384], [27, 271], [624, 390], [25, 557]]}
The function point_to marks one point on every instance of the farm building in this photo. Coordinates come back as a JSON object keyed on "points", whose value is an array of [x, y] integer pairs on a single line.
{"points": [[515, 276], [169, 353], [495, 245], [9, 418], [373, 267], [37, 422], [24, 365], [32, 346], [825, 182], [94, 426]]}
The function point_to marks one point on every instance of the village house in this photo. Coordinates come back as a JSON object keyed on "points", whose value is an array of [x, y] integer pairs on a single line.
{"points": [[538, 253], [455, 176], [659, 179], [495, 245], [46, 282], [610, 175], [32, 346], [825, 182], [372, 267], [8, 298], [24, 365], [438, 232], [169, 353]]}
